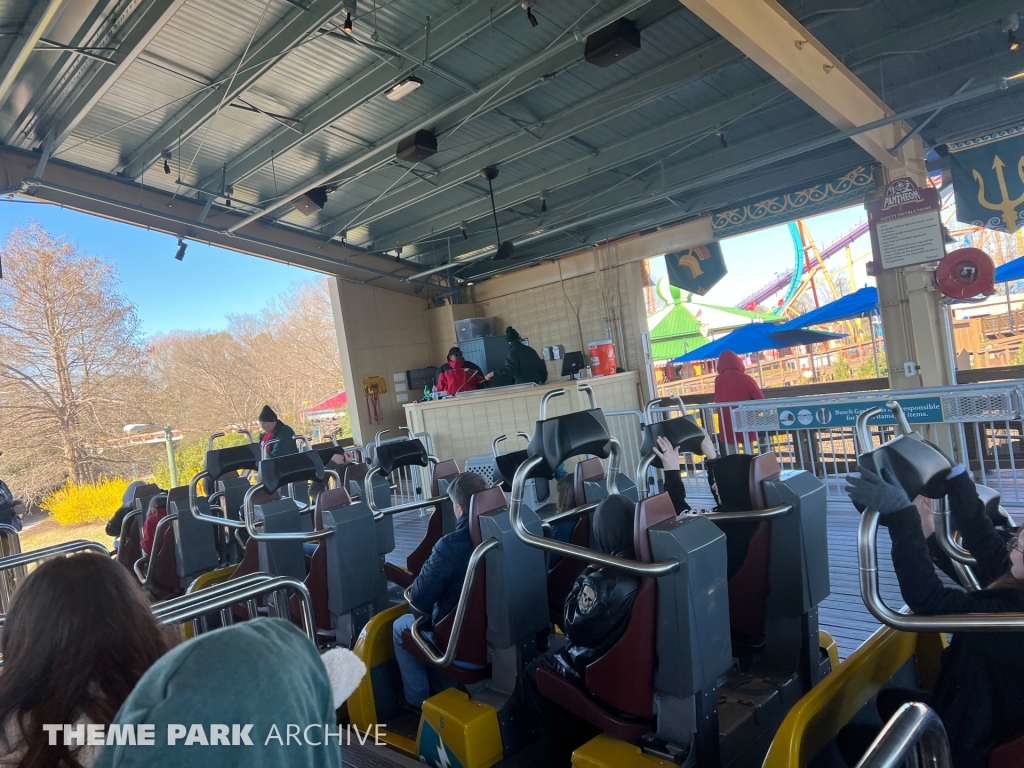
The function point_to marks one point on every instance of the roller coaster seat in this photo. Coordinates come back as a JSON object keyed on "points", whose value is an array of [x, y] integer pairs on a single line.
{"points": [[618, 696], [473, 642], [195, 541], [749, 582], [129, 550], [916, 465]]}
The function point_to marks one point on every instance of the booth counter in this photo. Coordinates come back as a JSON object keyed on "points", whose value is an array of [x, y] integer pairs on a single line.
{"points": [[464, 426]]}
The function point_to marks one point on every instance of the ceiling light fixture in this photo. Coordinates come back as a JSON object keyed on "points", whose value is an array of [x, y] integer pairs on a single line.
{"points": [[400, 90], [465, 234], [1010, 26], [167, 167], [543, 201], [722, 141], [182, 245], [507, 248], [350, 9]]}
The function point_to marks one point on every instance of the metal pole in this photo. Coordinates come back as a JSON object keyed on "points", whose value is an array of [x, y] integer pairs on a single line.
{"points": [[874, 345], [1009, 306], [171, 463], [760, 373]]}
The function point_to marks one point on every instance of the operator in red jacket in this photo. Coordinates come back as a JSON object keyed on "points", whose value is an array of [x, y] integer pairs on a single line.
{"points": [[459, 377], [733, 385]]}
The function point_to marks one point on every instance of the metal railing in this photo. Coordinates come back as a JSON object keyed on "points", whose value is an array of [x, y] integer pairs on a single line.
{"points": [[980, 424], [245, 594], [914, 736], [10, 544]]}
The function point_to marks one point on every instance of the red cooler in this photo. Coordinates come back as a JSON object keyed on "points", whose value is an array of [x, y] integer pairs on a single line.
{"points": [[602, 357]]}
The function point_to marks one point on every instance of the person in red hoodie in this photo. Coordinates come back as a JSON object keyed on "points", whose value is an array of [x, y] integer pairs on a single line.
{"points": [[733, 385], [157, 512], [459, 378]]}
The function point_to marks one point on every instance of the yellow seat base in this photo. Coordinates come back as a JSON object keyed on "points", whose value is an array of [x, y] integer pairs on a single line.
{"points": [[457, 732], [605, 752]]}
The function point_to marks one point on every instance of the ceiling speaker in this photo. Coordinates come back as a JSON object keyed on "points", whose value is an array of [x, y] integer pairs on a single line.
{"points": [[613, 43], [312, 201], [417, 147]]}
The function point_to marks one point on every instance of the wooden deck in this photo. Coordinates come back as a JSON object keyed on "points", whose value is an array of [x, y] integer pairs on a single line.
{"points": [[842, 615]]}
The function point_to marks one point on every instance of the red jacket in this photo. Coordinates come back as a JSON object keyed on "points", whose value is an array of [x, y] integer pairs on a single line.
{"points": [[149, 529], [733, 385], [459, 379]]}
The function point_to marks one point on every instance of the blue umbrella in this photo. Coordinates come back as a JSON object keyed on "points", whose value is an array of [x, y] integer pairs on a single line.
{"points": [[757, 337], [1010, 271], [862, 302]]}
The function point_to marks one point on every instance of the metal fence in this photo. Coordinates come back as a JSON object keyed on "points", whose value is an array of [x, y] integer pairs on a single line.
{"points": [[979, 424]]}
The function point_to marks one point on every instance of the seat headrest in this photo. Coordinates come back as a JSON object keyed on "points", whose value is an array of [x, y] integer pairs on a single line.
{"points": [[404, 453], [589, 469], [177, 494], [354, 472], [443, 470], [508, 463], [326, 451], [574, 434], [681, 431], [764, 466], [330, 499], [224, 460], [914, 463], [483, 503], [293, 468], [262, 496], [145, 491], [650, 512]]}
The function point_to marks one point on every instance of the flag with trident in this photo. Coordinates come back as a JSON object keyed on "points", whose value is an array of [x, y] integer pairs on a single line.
{"points": [[988, 179]]}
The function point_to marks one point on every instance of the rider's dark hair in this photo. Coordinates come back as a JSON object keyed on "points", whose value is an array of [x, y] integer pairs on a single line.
{"points": [[79, 635]]}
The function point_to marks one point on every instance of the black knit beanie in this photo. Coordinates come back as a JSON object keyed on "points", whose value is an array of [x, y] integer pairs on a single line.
{"points": [[267, 414]]}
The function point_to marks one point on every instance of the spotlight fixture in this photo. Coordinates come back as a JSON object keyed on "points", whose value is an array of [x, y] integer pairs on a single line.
{"points": [[350, 12], [348, 24], [182, 245], [722, 141], [527, 5], [167, 167], [401, 90], [543, 201], [1010, 25], [465, 234]]}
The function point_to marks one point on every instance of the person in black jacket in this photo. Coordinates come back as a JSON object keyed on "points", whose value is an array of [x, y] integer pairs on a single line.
{"points": [[597, 612], [523, 365], [980, 686], [114, 524], [435, 591]]}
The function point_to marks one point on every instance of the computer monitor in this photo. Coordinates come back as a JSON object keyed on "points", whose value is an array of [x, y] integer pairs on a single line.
{"points": [[573, 363]]}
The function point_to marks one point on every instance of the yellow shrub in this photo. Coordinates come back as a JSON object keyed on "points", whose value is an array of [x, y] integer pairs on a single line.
{"points": [[86, 503]]}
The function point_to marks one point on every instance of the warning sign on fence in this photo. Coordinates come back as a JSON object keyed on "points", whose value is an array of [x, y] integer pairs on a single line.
{"points": [[923, 410]]}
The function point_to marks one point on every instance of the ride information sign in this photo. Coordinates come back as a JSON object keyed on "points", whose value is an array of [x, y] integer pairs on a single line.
{"points": [[905, 225], [922, 410]]}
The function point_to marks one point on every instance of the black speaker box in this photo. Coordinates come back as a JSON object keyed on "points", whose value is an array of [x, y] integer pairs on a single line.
{"points": [[311, 202], [417, 147], [613, 43]]}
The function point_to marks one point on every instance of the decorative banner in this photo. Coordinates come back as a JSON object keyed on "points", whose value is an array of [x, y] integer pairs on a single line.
{"points": [[922, 410], [905, 225], [794, 204], [696, 270], [988, 179]]}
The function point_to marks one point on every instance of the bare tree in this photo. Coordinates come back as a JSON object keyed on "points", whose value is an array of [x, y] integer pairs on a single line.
{"points": [[69, 359]]}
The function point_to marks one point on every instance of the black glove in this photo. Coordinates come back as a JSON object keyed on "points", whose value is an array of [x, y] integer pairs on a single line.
{"points": [[875, 491]]}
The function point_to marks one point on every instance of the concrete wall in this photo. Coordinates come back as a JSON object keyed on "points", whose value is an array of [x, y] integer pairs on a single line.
{"points": [[380, 333]]}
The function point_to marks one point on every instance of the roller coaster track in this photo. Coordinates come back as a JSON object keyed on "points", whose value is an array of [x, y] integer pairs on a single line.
{"points": [[792, 276]]}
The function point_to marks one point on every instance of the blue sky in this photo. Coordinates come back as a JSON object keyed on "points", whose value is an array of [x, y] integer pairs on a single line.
{"points": [[194, 294], [197, 293]]}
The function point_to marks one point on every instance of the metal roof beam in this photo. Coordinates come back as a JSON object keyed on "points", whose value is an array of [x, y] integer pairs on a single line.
{"points": [[662, 137], [40, 15], [447, 33], [776, 41], [606, 105], [385, 148], [265, 53], [143, 26]]}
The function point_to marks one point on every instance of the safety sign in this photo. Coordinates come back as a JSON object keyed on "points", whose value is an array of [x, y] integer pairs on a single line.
{"points": [[922, 410]]}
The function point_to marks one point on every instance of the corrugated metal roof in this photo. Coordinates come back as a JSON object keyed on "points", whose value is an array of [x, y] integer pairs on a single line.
{"points": [[388, 204]]}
